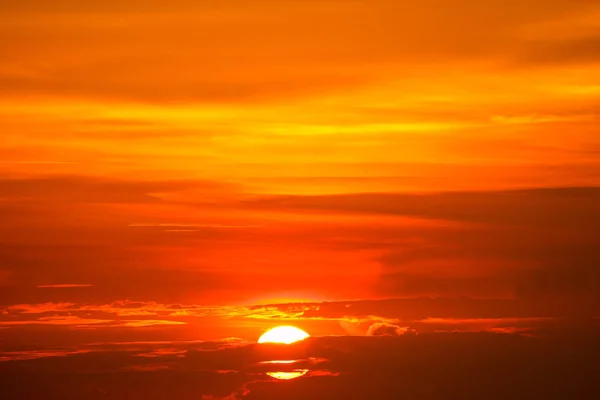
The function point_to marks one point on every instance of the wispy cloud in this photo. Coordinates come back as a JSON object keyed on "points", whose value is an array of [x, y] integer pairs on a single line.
{"points": [[38, 162], [58, 320], [148, 322], [208, 226], [148, 367], [163, 352], [65, 285], [81, 321], [35, 354]]}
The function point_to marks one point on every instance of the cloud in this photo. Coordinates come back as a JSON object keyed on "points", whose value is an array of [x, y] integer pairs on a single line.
{"points": [[41, 307], [233, 396], [82, 321], [358, 367], [289, 62], [57, 320], [124, 308], [35, 354], [64, 285], [148, 367], [172, 227], [78, 189], [162, 352], [127, 264], [126, 322], [383, 328], [148, 322], [568, 205], [573, 51], [534, 242]]}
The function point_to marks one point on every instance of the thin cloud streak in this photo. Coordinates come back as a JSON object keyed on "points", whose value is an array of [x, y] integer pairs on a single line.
{"points": [[64, 285]]}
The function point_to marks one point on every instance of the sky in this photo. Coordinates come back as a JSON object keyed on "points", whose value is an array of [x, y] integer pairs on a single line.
{"points": [[197, 172]]}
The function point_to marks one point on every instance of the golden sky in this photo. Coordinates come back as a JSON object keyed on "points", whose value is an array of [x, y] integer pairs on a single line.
{"points": [[236, 152]]}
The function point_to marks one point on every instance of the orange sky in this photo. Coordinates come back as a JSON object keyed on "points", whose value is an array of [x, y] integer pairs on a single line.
{"points": [[231, 152]]}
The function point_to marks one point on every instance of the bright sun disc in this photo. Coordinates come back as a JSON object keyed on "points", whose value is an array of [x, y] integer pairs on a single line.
{"points": [[283, 334]]}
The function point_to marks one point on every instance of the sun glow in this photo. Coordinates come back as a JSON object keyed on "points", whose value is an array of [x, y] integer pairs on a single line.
{"points": [[283, 334]]}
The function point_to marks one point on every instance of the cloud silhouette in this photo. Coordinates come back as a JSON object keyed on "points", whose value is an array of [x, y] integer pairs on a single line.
{"points": [[569, 206], [429, 366]]}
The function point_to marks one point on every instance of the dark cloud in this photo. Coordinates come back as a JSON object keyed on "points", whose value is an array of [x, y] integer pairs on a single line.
{"points": [[428, 366], [64, 286], [534, 244], [548, 263], [60, 230], [121, 281], [412, 309], [530, 243], [450, 285], [581, 50], [567, 206], [74, 189], [570, 283]]}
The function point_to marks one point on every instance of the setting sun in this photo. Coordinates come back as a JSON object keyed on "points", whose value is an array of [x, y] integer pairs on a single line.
{"points": [[283, 334]]}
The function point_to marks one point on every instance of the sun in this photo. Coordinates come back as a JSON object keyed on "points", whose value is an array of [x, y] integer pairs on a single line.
{"points": [[283, 334]]}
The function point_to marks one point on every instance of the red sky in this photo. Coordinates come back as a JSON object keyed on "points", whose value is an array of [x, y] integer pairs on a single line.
{"points": [[166, 165]]}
